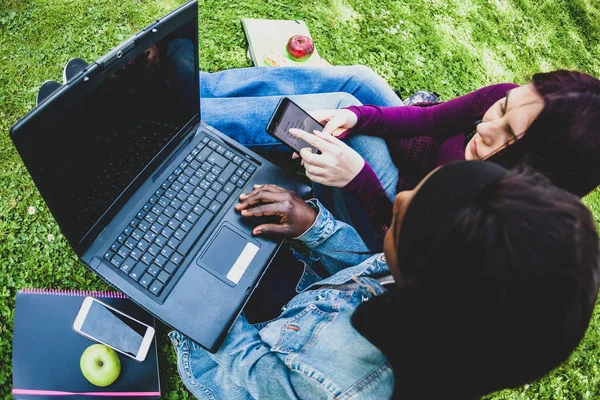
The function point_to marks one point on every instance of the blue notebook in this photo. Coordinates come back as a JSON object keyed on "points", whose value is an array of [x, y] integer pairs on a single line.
{"points": [[46, 349]]}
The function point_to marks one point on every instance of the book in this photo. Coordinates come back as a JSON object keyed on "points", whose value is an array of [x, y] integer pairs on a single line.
{"points": [[46, 349], [267, 41]]}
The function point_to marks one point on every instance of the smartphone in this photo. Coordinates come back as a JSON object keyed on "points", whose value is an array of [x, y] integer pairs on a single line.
{"points": [[107, 325], [289, 115]]}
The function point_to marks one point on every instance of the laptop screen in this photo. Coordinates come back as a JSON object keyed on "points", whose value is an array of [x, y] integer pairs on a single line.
{"points": [[88, 157]]}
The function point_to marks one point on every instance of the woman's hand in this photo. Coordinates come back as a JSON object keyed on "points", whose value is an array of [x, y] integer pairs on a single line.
{"points": [[336, 121], [337, 164], [295, 216]]}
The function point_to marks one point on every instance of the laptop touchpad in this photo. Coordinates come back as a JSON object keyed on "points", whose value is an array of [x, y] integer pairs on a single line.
{"points": [[228, 255]]}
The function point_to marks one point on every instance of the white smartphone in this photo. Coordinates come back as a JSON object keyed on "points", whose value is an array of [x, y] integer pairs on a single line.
{"points": [[107, 325]]}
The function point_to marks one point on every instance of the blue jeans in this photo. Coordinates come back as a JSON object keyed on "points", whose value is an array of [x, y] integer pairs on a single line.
{"points": [[239, 102]]}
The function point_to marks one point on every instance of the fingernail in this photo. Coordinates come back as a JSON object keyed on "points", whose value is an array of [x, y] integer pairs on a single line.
{"points": [[257, 232], [257, 186]]}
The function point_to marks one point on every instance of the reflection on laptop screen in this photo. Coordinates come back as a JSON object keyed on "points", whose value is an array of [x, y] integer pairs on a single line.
{"points": [[106, 139]]}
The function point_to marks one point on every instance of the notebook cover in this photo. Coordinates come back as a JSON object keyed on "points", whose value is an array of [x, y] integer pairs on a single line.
{"points": [[46, 349], [267, 41]]}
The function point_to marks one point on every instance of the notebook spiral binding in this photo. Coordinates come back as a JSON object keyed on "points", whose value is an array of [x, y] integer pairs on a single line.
{"points": [[65, 292]]}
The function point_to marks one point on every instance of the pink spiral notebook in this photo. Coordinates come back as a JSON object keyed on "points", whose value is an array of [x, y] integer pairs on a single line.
{"points": [[46, 349]]}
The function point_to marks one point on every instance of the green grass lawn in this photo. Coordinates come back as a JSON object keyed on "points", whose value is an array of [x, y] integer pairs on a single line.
{"points": [[450, 46]]}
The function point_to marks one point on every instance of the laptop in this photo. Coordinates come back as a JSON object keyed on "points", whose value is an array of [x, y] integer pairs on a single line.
{"points": [[143, 190]]}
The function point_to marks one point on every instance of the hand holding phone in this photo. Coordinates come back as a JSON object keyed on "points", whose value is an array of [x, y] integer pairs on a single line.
{"points": [[336, 164], [107, 325], [329, 161], [289, 115], [337, 121]]}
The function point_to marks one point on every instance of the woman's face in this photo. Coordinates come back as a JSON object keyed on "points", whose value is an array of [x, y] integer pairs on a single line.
{"points": [[505, 122], [390, 241]]}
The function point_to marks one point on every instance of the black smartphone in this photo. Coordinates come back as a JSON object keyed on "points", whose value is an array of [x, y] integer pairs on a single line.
{"points": [[289, 115]]}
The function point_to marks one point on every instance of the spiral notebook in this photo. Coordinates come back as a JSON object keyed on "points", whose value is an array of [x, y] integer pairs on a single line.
{"points": [[46, 349]]}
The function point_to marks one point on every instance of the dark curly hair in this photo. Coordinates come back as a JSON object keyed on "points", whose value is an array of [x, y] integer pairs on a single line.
{"points": [[504, 295]]}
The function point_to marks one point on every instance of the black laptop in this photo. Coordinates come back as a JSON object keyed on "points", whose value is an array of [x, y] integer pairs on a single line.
{"points": [[144, 190]]}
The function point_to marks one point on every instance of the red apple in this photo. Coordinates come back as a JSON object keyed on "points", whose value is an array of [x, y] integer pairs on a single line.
{"points": [[300, 47]]}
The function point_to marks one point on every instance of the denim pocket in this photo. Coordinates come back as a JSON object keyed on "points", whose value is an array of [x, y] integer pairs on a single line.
{"points": [[297, 334]]}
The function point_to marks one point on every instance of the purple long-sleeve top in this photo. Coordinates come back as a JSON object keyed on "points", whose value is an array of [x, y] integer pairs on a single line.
{"points": [[419, 139]]}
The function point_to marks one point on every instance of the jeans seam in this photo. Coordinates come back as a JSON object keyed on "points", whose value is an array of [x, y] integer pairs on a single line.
{"points": [[360, 385], [183, 366]]}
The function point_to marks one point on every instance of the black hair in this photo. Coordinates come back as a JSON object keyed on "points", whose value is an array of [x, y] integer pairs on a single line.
{"points": [[563, 142], [505, 295]]}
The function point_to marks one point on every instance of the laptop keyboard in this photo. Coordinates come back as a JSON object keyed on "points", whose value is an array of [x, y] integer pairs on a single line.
{"points": [[155, 243]]}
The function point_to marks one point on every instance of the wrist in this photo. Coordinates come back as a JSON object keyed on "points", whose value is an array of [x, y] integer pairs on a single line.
{"points": [[356, 167], [354, 115], [314, 211], [357, 183]]}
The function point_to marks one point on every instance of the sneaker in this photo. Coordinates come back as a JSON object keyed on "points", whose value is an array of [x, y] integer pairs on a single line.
{"points": [[46, 90], [399, 95], [72, 68], [422, 96]]}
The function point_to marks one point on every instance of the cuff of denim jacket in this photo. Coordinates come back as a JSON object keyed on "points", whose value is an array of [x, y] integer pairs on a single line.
{"points": [[321, 228]]}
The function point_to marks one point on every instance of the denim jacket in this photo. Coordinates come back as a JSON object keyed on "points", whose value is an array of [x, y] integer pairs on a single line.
{"points": [[311, 350]]}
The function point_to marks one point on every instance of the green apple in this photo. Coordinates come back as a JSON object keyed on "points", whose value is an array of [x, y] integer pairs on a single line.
{"points": [[100, 365]]}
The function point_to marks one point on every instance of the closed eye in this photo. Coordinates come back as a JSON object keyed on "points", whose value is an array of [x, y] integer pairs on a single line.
{"points": [[511, 133], [503, 108]]}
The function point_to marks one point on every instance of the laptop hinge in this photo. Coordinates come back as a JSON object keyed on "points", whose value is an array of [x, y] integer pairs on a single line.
{"points": [[116, 54]]}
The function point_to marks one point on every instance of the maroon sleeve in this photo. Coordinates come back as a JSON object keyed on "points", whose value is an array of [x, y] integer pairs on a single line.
{"points": [[371, 197], [440, 121]]}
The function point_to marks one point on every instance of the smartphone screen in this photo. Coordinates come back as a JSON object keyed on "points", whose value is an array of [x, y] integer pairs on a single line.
{"points": [[113, 329], [289, 115]]}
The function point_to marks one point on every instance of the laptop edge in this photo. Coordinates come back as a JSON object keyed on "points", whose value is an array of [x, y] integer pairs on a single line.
{"points": [[199, 305]]}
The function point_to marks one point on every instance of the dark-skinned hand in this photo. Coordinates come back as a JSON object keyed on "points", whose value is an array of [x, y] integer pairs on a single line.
{"points": [[295, 216]]}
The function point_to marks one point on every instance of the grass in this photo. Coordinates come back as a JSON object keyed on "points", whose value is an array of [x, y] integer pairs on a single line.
{"points": [[450, 46]]}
